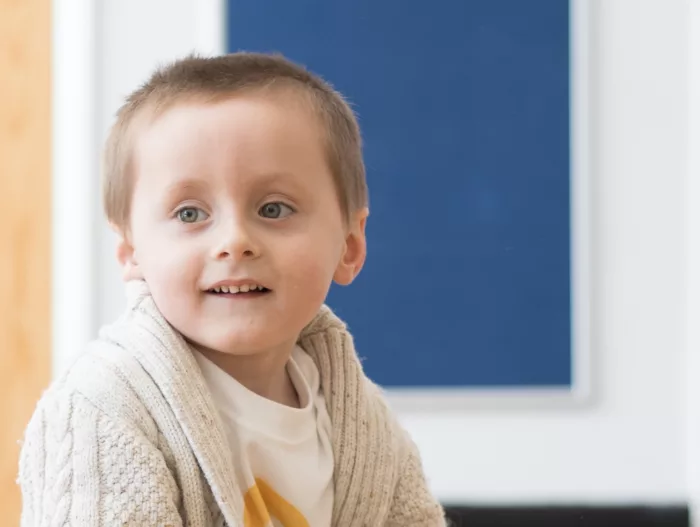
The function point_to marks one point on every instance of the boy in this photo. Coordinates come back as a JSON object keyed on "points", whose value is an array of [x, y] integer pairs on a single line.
{"points": [[227, 394]]}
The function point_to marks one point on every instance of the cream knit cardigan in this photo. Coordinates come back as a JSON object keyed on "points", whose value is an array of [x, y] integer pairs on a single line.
{"points": [[130, 436]]}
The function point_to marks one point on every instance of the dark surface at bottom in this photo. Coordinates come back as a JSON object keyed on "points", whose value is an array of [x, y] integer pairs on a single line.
{"points": [[676, 516]]}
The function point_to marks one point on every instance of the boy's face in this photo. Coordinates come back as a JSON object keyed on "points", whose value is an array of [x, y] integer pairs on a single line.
{"points": [[238, 193]]}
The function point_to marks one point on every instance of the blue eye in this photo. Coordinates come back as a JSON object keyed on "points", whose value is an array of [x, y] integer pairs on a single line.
{"points": [[191, 215], [275, 210]]}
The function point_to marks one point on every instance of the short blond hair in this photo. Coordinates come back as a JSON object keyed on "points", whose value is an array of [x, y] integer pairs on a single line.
{"points": [[215, 78]]}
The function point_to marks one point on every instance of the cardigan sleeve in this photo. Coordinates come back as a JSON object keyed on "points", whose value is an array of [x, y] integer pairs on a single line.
{"points": [[79, 466], [413, 505]]}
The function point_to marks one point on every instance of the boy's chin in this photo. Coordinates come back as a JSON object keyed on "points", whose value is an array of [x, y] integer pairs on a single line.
{"points": [[247, 345]]}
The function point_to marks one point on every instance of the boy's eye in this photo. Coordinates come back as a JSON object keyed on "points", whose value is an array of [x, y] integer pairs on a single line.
{"points": [[275, 210], [191, 215]]}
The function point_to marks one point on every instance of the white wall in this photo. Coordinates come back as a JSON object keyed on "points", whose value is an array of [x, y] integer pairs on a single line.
{"points": [[628, 444]]}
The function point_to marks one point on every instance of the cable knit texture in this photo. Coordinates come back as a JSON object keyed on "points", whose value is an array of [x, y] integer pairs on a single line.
{"points": [[130, 435]]}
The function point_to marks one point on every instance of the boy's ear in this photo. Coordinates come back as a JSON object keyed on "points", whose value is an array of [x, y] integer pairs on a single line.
{"points": [[127, 257], [355, 252]]}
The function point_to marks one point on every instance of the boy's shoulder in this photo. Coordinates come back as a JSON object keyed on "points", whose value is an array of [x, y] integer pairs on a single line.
{"points": [[109, 379]]}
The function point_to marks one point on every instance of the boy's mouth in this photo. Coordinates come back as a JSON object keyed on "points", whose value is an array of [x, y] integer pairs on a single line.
{"points": [[239, 290]]}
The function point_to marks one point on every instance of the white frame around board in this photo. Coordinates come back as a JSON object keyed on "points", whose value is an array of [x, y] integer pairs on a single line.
{"points": [[580, 391]]}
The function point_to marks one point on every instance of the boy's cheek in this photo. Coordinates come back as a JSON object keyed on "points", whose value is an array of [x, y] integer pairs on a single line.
{"points": [[313, 272]]}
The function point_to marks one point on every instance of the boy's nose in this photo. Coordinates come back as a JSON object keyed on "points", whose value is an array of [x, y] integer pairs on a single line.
{"points": [[236, 243]]}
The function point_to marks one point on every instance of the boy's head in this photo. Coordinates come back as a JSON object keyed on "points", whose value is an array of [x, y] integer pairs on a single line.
{"points": [[228, 173]]}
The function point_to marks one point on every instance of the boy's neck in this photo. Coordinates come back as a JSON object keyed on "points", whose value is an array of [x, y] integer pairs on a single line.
{"points": [[264, 373]]}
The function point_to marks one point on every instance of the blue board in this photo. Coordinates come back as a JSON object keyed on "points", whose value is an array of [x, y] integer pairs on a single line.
{"points": [[464, 108]]}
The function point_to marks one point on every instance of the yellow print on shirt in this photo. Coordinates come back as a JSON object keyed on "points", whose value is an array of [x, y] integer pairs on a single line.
{"points": [[262, 503]]}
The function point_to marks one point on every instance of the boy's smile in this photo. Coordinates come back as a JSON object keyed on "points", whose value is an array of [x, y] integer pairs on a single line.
{"points": [[236, 224], [239, 288]]}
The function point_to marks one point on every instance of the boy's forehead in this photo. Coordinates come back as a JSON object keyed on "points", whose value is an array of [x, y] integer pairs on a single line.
{"points": [[200, 107], [248, 120], [249, 134]]}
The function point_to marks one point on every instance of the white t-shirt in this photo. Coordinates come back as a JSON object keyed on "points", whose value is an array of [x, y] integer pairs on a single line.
{"points": [[282, 455]]}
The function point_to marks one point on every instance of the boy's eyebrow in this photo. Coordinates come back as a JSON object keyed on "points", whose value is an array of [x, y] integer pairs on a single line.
{"points": [[288, 178], [177, 188]]}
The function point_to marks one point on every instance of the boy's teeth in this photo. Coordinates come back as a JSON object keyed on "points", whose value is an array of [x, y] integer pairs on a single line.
{"points": [[232, 289]]}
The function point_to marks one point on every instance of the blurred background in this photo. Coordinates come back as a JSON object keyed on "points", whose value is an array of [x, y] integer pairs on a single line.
{"points": [[544, 157]]}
